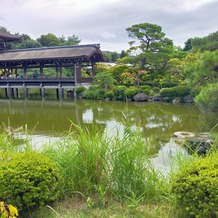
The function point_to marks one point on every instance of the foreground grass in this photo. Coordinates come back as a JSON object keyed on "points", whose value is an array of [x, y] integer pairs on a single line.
{"points": [[77, 207], [106, 177]]}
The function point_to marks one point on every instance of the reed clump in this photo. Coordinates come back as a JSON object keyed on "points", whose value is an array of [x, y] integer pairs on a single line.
{"points": [[94, 165]]}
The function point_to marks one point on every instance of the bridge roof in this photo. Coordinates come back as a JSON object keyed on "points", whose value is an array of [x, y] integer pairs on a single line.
{"points": [[47, 55], [8, 37]]}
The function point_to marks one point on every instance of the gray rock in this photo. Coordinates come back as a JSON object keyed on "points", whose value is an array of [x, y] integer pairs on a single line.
{"points": [[140, 97], [176, 101], [156, 98], [188, 99]]}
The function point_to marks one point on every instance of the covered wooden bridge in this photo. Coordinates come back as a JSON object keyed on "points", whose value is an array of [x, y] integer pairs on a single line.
{"points": [[22, 60]]}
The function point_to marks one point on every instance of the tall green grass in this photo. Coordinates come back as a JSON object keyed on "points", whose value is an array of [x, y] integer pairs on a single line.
{"points": [[94, 165]]}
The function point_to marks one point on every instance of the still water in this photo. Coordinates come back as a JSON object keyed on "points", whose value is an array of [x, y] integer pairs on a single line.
{"points": [[158, 121]]}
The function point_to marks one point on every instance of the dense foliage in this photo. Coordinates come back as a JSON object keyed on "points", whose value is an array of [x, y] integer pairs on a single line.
{"points": [[207, 43], [174, 92], [80, 89], [29, 180], [208, 98], [195, 187]]}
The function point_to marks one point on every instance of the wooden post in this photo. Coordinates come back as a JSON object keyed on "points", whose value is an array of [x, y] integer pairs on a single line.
{"points": [[42, 92], [61, 92], [60, 69], [93, 69], [41, 71], [75, 77], [16, 92], [57, 93], [6, 93], [24, 72], [57, 71], [9, 91], [25, 91], [12, 92], [77, 74], [15, 72]]}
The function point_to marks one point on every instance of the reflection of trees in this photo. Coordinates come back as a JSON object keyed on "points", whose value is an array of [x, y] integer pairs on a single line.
{"points": [[158, 119], [155, 119]]}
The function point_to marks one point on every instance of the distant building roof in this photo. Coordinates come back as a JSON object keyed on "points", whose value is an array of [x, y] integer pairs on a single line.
{"points": [[65, 54], [8, 37]]}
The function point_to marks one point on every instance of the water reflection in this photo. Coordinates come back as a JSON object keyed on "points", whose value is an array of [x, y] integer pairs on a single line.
{"points": [[166, 157], [155, 120]]}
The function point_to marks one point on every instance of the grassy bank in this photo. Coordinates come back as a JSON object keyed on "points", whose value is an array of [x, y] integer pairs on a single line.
{"points": [[105, 177]]}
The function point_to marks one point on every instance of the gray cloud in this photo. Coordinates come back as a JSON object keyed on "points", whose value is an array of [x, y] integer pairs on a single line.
{"points": [[106, 21]]}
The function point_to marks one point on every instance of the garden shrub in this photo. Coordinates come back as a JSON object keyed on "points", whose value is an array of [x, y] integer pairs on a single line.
{"points": [[146, 89], [168, 84], [109, 94], [131, 92], [100, 94], [195, 91], [156, 90], [208, 98], [150, 83], [28, 180], [91, 93], [176, 91], [119, 92], [80, 89], [94, 87], [195, 187]]}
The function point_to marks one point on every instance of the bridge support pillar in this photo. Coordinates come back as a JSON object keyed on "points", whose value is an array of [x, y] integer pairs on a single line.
{"points": [[6, 93], [77, 74], [17, 94], [26, 92], [9, 92], [60, 93], [42, 92]]}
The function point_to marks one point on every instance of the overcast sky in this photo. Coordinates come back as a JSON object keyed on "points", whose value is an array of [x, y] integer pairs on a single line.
{"points": [[105, 21]]}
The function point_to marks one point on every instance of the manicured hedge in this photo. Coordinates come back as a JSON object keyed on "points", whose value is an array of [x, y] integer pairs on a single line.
{"points": [[80, 89], [28, 180], [131, 91], [176, 91], [195, 187]]}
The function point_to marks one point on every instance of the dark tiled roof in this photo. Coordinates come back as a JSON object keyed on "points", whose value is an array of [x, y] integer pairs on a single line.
{"points": [[8, 37], [84, 52]]}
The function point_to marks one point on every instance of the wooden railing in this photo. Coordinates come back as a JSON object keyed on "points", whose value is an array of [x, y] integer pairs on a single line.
{"points": [[46, 83]]}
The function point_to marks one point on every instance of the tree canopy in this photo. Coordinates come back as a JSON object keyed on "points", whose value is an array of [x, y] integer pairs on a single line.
{"points": [[150, 48], [45, 40], [207, 43]]}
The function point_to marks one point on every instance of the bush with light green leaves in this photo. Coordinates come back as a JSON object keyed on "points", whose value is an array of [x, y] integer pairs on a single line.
{"points": [[208, 98], [29, 180], [195, 187], [174, 92]]}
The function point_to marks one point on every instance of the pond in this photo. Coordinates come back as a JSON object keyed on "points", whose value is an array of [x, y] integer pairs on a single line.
{"points": [[159, 121]]}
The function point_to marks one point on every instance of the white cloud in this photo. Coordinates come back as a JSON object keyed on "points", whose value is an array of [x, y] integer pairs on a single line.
{"points": [[105, 21], [108, 35]]}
